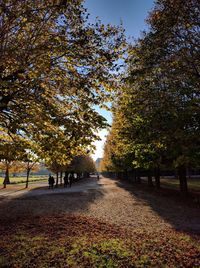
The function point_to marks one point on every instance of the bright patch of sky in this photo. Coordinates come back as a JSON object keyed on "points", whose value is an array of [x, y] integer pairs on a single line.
{"points": [[132, 13]]}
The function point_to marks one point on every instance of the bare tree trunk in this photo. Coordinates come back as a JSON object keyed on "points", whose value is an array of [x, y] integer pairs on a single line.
{"points": [[61, 175], [188, 173], [125, 175], [56, 179], [157, 177], [183, 180], [138, 177], [150, 181], [134, 175], [27, 176], [7, 179], [27, 173]]}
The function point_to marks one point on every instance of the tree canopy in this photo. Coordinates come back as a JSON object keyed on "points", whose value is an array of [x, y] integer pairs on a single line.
{"points": [[159, 102], [54, 68]]}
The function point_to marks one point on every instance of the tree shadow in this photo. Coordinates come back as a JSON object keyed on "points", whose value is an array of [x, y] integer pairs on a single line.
{"points": [[11, 192], [44, 201], [182, 213]]}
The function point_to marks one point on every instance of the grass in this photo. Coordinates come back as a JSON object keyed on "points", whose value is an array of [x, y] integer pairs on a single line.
{"points": [[21, 180], [76, 241], [173, 183], [193, 183]]}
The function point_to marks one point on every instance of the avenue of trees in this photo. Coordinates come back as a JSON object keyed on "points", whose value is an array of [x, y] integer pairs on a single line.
{"points": [[156, 119], [54, 68], [81, 165]]}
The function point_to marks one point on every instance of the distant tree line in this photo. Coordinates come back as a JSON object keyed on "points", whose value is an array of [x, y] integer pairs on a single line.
{"points": [[81, 166]]}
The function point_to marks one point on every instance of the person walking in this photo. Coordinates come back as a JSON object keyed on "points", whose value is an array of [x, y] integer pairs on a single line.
{"points": [[71, 177], [65, 180], [51, 181]]}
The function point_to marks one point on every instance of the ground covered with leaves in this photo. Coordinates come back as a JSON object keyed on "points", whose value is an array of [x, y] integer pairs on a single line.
{"points": [[79, 241], [107, 223]]}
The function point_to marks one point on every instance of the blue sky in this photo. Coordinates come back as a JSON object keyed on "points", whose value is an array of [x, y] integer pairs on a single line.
{"points": [[132, 13]]}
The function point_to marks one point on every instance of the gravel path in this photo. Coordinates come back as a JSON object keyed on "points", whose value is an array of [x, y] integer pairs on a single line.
{"points": [[41, 188], [109, 200]]}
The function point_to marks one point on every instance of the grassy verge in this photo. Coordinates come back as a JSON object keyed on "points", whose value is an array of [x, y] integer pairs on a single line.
{"points": [[18, 180], [76, 241], [193, 183]]}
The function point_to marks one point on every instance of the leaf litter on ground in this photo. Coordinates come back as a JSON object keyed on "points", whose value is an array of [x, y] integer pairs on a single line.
{"points": [[69, 240]]}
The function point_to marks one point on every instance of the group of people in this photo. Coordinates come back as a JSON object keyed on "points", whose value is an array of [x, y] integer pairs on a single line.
{"points": [[51, 182], [67, 180]]}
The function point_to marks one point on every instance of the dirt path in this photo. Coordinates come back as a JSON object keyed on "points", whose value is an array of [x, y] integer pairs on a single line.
{"points": [[109, 200]]}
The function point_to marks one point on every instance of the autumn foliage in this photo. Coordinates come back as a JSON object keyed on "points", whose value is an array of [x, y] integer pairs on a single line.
{"points": [[86, 242], [156, 117], [54, 68]]}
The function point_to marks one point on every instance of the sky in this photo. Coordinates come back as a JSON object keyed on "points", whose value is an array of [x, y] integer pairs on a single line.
{"points": [[132, 13]]}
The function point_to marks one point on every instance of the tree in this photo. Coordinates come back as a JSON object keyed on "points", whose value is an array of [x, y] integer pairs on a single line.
{"points": [[81, 164], [117, 153], [30, 161], [171, 58], [11, 152], [54, 67], [159, 103], [55, 167], [16, 167]]}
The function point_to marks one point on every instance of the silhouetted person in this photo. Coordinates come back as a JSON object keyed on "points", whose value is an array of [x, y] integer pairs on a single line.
{"points": [[71, 177], [51, 181], [65, 181], [97, 176]]}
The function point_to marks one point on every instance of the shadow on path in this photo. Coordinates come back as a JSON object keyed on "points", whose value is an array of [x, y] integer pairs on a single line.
{"points": [[44, 201], [179, 212]]}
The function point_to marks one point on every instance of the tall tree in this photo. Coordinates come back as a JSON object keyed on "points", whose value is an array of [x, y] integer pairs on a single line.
{"points": [[54, 67], [11, 151], [160, 100], [82, 164]]}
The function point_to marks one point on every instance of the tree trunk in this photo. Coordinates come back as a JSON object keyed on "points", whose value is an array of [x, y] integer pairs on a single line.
{"points": [[56, 179], [183, 180], [27, 177], [126, 176], [138, 178], [7, 179], [61, 175], [157, 177], [188, 173], [150, 181], [134, 176], [86, 175]]}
